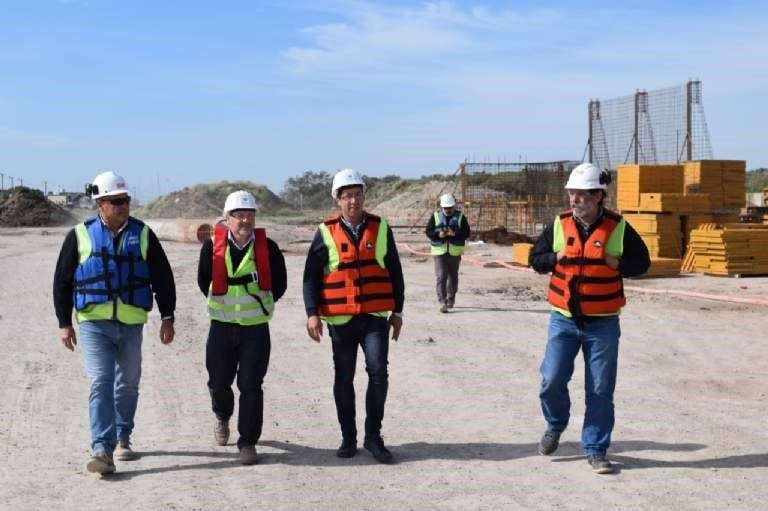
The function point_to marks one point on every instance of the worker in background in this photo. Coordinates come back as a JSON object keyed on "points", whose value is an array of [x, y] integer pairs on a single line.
{"points": [[588, 250], [108, 268], [353, 280], [448, 231], [242, 273]]}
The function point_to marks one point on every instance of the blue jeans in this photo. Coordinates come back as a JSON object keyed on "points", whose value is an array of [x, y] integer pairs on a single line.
{"points": [[242, 351], [112, 355], [599, 343], [371, 333]]}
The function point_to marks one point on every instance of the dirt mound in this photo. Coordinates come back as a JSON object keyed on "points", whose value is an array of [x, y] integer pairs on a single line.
{"points": [[25, 207], [500, 236], [207, 201], [412, 204]]}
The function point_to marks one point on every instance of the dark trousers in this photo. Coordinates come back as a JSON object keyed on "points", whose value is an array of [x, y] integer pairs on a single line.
{"points": [[447, 277], [242, 351], [369, 332]]}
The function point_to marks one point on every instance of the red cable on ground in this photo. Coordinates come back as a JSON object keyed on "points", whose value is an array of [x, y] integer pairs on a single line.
{"points": [[705, 296]]}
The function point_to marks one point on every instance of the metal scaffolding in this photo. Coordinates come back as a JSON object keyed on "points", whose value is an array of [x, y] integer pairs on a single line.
{"points": [[519, 197]]}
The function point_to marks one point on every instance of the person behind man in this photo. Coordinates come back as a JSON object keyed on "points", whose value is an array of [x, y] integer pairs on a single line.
{"points": [[108, 268], [447, 231], [354, 281], [242, 273], [588, 250]]}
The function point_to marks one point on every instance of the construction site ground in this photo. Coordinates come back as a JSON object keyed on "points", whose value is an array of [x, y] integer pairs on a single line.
{"points": [[462, 419]]}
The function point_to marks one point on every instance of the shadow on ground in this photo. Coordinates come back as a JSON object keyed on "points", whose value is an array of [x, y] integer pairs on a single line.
{"points": [[286, 453]]}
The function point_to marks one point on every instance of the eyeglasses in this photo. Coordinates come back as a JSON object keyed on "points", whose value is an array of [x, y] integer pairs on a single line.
{"points": [[347, 196], [120, 201], [242, 214]]}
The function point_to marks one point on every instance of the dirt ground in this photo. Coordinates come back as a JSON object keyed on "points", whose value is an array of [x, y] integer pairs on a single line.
{"points": [[462, 419]]}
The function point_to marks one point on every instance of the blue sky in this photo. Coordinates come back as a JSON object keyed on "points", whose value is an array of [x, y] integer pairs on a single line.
{"points": [[174, 93]]}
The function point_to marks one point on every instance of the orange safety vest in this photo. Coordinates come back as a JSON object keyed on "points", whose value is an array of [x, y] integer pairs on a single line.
{"points": [[359, 284], [220, 281], [582, 273]]}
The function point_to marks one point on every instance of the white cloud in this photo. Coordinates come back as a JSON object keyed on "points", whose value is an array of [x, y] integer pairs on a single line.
{"points": [[378, 38]]}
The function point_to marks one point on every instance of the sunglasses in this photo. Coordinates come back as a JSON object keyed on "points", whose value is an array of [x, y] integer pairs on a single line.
{"points": [[119, 202]]}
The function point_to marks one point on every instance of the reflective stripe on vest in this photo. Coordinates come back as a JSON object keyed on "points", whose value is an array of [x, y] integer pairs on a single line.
{"points": [[581, 282], [112, 282], [355, 280], [244, 302], [453, 246]]}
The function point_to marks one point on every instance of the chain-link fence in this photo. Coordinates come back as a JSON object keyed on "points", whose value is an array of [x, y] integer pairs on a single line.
{"points": [[659, 126]]}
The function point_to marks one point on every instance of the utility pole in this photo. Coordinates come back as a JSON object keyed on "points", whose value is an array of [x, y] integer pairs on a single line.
{"points": [[45, 188], [11, 178], [2, 181]]}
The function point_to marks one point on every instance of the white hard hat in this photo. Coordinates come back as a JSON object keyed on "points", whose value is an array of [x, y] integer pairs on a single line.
{"points": [[346, 177], [588, 176], [240, 199], [447, 200], [107, 184]]}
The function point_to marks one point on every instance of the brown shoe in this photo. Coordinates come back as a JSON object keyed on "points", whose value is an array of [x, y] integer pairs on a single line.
{"points": [[221, 432], [123, 451], [248, 455], [101, 464]]}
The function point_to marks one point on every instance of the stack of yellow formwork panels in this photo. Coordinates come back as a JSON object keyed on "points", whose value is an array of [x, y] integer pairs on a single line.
{"points": [[723, 180], [734, 177], [634, 179], [649, 197], [520, 253], [660, 232], [674, 202], [731, 249]]}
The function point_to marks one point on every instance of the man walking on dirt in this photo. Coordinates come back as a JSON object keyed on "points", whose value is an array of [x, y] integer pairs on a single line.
{"points": [[353, 280], [242, 272], [447, 231], [108, 268], [588, 250]]}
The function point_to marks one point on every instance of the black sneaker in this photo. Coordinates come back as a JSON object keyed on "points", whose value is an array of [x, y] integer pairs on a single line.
{"points": [[376, 448], [599, 464], [549, 442], [347, 449]]}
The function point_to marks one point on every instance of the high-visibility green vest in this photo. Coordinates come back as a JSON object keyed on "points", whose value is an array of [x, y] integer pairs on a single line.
{"points": [[244, 304], [449, 246]]}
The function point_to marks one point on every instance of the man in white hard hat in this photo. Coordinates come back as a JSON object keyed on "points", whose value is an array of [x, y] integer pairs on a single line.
{"points": [[108, 268], [448, 231], [242, 273], [353, 281], [587, 249]]}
